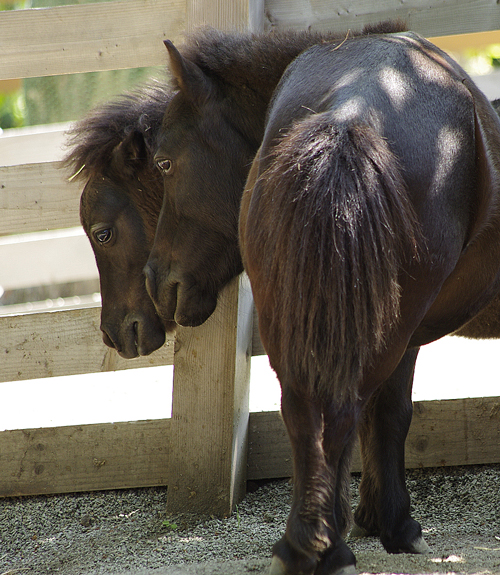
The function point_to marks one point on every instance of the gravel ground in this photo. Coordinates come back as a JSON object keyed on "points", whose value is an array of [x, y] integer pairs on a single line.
{"points": [[125, 532]]}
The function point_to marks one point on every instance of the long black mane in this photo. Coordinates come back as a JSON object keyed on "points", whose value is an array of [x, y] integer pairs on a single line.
{"points": [[246, 67], [257, 61], [93, 139]]}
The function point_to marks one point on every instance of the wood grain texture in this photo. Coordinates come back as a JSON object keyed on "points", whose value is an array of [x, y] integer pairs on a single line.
{"points": [[66, 342], [139, 454], [210, 407], [88, 37], [234, 15], [430, 18], [37, 197], [84, 458], [443, 433]]}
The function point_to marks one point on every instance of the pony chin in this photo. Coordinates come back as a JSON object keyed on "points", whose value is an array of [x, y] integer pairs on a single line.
{"points": [[193, 309], [187, 307]]}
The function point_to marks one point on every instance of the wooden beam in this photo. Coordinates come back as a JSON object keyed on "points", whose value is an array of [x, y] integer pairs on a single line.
{"points": [[33, 144], [84, 458], [88, 37], [140, 454], [67, 342], [442, 433], [210, 407], [37, 197], [257, 347], [237, 15], [431, 18]]}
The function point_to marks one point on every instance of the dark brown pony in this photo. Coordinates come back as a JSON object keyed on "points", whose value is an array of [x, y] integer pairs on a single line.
{"points": [[111, 151], [370, 226], [224, 83]]}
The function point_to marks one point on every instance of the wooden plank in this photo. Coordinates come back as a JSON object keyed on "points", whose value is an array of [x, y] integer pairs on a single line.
{"points": [[230, 15], [68, 342], [33, 144], [37, 260], [84, 457], [111, 35], [454, 432], [36, 197], [139, 454], [430, 18], [210, 407], [58, 342], [257, 347], [442, 433], [88, 37]]}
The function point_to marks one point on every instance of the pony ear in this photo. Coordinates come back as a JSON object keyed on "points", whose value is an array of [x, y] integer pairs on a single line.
{"points": [[192, 81], [130, 150]]}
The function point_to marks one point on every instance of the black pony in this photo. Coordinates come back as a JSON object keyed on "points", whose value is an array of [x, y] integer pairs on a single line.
{"points": [[111, 151], [370, 226]]}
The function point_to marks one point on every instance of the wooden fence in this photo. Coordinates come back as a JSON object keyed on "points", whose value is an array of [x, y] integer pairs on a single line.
{"points": [[211, 444]]}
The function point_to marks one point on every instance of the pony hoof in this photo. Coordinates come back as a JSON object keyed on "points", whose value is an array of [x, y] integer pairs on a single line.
{"points": [[419, 546], [277, 567]]}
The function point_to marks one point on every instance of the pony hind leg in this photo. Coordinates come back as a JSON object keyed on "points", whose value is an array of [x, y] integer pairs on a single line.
{"points": [[338, 441], [384, 508], [313, 544]]}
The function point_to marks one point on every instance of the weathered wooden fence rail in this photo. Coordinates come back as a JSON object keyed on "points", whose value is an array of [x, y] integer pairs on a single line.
{"points": [[201, 452]]}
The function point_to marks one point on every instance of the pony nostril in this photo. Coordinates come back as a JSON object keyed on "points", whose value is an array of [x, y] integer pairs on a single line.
{"points": [[135, 328], [150, 275]]}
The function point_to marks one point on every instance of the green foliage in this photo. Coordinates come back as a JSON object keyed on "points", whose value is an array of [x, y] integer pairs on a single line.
{"points": [[12, 5], [69, 97], [12, 110], [169, 526], [478, 61]]}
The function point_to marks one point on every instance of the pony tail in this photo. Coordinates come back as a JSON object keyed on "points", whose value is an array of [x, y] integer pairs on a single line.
{"points": [[340, 226]]}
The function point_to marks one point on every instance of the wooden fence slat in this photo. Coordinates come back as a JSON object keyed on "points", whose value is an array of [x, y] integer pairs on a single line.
{"points": [[139, 454], [87, 37], [210, 407], [68, 342], [430, 18], [65, 342], [240, 15], [62, 258], [443, 433], [84, 457], [36, 197], [33, 144], [128, 33]]}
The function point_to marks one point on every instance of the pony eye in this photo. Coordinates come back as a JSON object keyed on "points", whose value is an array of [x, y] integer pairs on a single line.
{"points": [[165, 166], [103, 236]]}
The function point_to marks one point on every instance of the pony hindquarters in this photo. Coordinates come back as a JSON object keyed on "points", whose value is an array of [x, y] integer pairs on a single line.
{"points": [[325, 231], [327, 228]]}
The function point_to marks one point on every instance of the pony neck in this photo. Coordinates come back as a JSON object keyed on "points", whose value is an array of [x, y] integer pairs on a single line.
{"points": [[246, 68]]}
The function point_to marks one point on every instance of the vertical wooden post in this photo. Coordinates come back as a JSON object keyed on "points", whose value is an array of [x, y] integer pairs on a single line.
{"points": [[231, 15], [210, 407], [212, 362]]}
